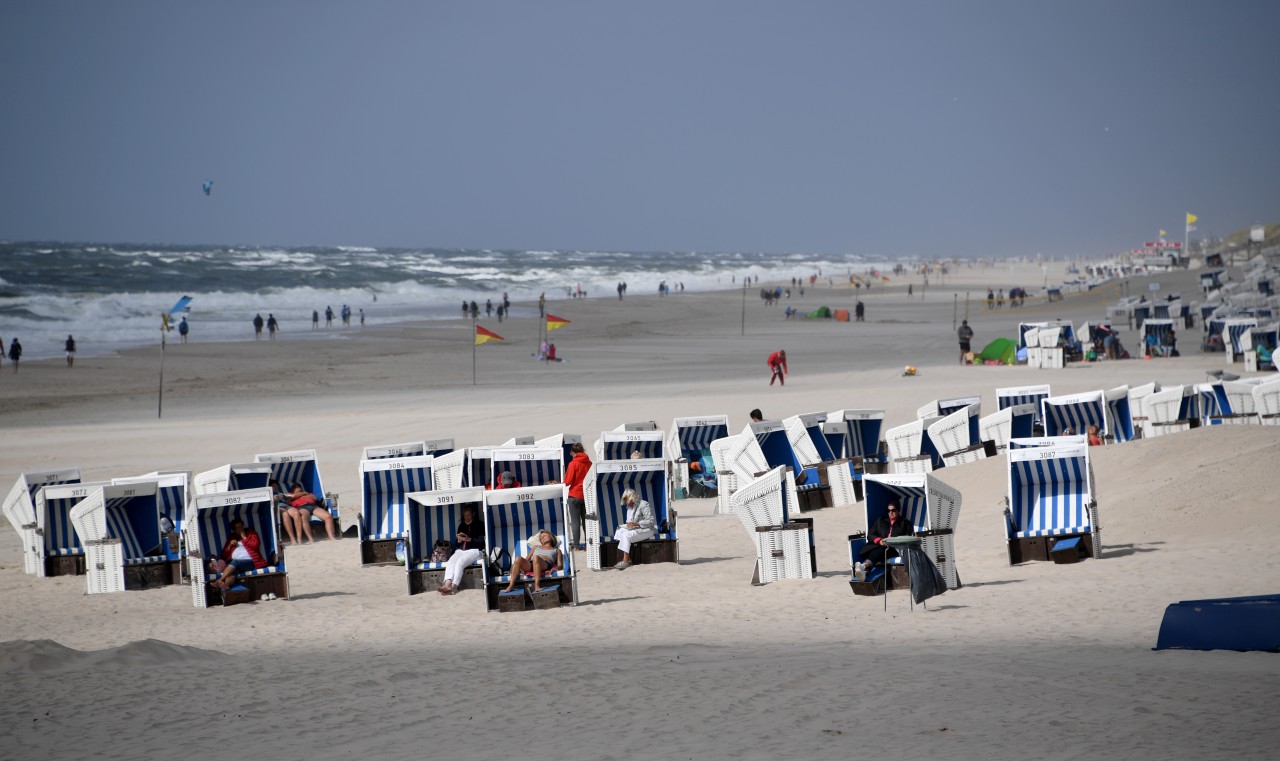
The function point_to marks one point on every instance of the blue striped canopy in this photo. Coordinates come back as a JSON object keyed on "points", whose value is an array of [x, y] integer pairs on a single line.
{"points": [[386, 484], [135, 521], [619, 445], [1076, 412], [647, 477], [435, 515], [254, 507], [512, 516], [695, 434], [1049, 491], [531, 466]]}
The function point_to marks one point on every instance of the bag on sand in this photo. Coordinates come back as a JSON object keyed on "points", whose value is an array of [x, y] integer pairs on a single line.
{"points": [[441, 551]]}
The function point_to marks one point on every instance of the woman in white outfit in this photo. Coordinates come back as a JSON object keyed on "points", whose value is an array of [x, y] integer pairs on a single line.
{"points": [[468, 546], [638, 527]]}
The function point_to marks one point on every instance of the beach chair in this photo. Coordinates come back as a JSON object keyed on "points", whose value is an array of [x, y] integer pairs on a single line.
{"points": [[808, 441], [854, 438], [1051, 512], [208, 523], [1136, 396], [59, 549], [1233, 328], [943, 407], [124, 548], [432, 516], [726, 478], [1012, 396], [237, 477], [784, 544], [1171, 410], [602, 491], [910, 448], [688, 443], [1155, 336], [1015, 422], [302, 467], [621, 445], [1119, 428], [519, 441], [20, 509], [531, 465], [1255, 339], [1052, 347], [932, 506], [1030, 340], [173, 494], [449, 471], [957, 436], [387, 451], [775, 443], [1073, 414], [383, 522], [511, 517], [1266, 401]]}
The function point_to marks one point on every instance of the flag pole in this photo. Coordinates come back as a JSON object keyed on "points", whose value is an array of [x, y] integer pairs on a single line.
{"points": [[164, 323], [473, 352]]}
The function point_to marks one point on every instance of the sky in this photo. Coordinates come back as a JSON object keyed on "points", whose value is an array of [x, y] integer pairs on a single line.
{"points": [[977, 128]]}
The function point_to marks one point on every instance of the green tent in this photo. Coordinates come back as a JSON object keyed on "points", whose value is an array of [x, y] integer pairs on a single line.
{"points": [[1002, 350], [823, 313]]}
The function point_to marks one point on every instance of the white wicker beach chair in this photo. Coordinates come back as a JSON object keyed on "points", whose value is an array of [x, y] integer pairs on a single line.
{"points": [[448, 471], [1013, 422], [1051, 510], [1170, 410], [1266, 402], [20, 509], [238, 477], [302, 466], [932, 506], [784, 546], [957, 436], [602, 491], [383, 521], [119, 526], [432, 516], [209, 518], [1136, 395], [910, 449], [726, 478], [511, 517]]}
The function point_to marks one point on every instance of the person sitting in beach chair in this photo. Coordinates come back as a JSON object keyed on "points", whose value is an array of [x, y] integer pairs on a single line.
{"points": [[240, 555], [306, 505], [544, 557], [1095, 436], [638, 527], [288, 513], [875, 552], [506, 480], [468, 546]]}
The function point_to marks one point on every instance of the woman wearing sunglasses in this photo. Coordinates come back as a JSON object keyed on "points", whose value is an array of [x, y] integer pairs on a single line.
{"points": [[875, 552]]}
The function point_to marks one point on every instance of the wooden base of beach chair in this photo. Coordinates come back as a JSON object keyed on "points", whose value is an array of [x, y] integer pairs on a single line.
{"points": [[894, 577], [250, 589], [64, 565], [546, 598], [1067, 551], [562, 587], [430, 581], [152, 575], [1029, 548], [512, 602], [648, 551], [379, 552], [814, 499]]}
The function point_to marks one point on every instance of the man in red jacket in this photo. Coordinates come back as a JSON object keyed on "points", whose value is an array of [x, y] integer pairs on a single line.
{"points": [[778, 367], [574, 475]]}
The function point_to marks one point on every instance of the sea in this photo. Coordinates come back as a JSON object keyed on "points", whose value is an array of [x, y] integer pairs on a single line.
{"points": [[111, 296]]}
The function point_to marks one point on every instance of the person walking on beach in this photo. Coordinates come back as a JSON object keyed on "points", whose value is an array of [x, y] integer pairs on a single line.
{"points": [[315, 320], [991, 299], [362, 317], [15, 353], [965, 334], [542, 304], [859, 311], [184, 329], [328, 317], [257, 326], [70, 348], [488, 307], [272, 326], [778, 367]]}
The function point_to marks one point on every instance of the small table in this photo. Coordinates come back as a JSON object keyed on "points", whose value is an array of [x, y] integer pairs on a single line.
{"points": [[901, 542]]}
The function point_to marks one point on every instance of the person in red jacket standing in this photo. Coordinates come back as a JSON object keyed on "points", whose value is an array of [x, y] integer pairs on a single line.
{"points": [[778, 367], [240, 555], [576, 504]]}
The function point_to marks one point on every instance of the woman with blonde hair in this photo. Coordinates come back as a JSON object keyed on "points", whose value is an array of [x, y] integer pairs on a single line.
{"points": [[638, 526], [544, 555]]}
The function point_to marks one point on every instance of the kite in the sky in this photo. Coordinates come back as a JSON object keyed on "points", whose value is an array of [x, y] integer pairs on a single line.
{"points": [[208, 187]]}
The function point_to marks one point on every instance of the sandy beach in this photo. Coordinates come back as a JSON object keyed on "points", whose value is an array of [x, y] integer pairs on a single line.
{"points": [[675, 661]]}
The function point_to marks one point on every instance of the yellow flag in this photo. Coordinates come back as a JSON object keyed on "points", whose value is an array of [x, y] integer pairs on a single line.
{"points": [[1163, 233], [1191, 218]]}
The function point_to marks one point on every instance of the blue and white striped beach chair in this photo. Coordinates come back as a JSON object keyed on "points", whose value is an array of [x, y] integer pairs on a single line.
{"points": [[1119, 428], [209, 519], [932, 506], [1156, 335], [768, 508], [434, 516], [384, 489], [775, 440], [1265, 338], [237, 477], [1012, 396], [1171, 410], [1233, 328], [1074, 413], [173, 493], [478, 468], [60, 549], [690, 442], [119, 526], [1051, 501], [808, 438], [511, 517], [620, 445], [20, 509], [943, 407], [562, 441], [602, 491], [531, 465], [302, 467]]}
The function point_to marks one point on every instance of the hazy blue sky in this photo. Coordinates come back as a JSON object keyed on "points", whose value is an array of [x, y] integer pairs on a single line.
{"points": [[873, 127]]}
